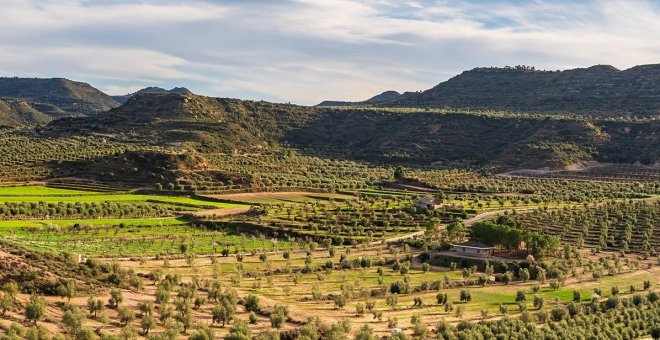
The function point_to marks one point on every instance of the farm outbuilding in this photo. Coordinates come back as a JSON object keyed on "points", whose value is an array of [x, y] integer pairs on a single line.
{"points": [[430, 202], [473, 249]]}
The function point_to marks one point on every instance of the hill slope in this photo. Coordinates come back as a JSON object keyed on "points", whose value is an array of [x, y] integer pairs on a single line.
{"points": [[20, 113], [594, 90], [57, 96], [207, 123], [152, 89], [418, 137], [385, 96]]}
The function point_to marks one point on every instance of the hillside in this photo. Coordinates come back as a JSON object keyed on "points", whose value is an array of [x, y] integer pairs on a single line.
{"points": [[57, 97], [385, 96], [462, 139], [20, 113], [415, 137], [601, 90], [183, 118], [152, 89]]}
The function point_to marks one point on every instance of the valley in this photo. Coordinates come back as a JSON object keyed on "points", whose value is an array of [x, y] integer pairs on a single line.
{"points": [[179, 216]]}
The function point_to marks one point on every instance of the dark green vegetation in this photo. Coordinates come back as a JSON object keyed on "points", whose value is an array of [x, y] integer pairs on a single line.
{"points": [[628, 318], [413, 137], [462, 139], [627, 225], [511, 238], [597, 90]]}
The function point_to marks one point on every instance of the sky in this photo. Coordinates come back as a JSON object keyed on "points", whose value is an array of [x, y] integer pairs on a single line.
{"points": [[306, 51]]}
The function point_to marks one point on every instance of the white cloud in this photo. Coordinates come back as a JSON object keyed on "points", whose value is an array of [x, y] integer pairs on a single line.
{"points": [[309, 50], [26, 16], [96, 62]]}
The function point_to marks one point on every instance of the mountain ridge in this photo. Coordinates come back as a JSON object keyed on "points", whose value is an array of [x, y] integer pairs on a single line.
{"points": [[381, 97], [595, 90], [415, 136], [64, 96], [150, 89]]}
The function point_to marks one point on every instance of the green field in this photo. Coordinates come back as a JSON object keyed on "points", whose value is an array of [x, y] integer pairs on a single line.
{"points": [[35, 193], [111, 235]]}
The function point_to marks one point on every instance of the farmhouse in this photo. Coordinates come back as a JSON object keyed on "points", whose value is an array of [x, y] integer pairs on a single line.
{"points": [[473, 249], [429, 202]]}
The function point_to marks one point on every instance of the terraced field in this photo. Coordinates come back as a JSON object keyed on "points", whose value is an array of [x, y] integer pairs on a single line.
{"points": [[110, 224]]}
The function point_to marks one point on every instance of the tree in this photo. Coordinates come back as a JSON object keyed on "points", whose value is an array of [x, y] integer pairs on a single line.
{"points": [[520, 296], [278, 316], [6, 303], [239, 331], [392, 300], [8, 300], [37, 333], [442, 298], [223, 312], [146, 308], [72, 320], [66, 289], [538, 302], [126, 316], [95, 306], [399, 173], [454, 229], [340, 301], [252, 303], [184, 316], [148, 322], [204, 333], [34, 309], [465, 296], [359, 309], [365, 333], [576, 296], [116, 297]]}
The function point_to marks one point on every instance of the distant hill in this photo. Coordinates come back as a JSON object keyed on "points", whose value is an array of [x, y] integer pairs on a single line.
{"points": [[152, 89], [57, 97], [21, 113], [601, 90], [385, 96], [184, 118], [415, 137]]}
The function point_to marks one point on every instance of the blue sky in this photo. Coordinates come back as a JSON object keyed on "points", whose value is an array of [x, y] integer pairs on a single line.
{"points": [[305, 51]]}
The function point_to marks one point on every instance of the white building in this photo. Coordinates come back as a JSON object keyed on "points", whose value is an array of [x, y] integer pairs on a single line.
{"points": [[429, 202], [474, 249]]}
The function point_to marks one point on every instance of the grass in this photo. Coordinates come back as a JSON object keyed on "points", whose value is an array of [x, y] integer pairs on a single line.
{"points": [[275, 198], [143, 237], [13, 224], [53, 195], [38, 190], [103, 236]]}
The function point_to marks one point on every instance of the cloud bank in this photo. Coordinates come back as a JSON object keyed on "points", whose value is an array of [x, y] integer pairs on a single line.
{"points": [[305, 51]]}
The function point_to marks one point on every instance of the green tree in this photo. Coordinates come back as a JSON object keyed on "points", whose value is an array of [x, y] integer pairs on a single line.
{"points": [[465, 295], [72, 320], [126, 316], [240, 330], [365, 333], [252, 303], [399, 173], [35, 309], [147, 323], [116, 297], [279, 315]]}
